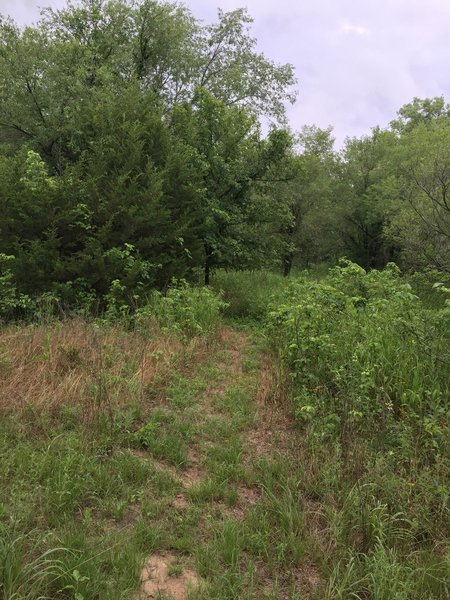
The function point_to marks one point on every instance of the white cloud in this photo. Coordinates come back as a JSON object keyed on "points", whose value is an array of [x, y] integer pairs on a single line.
{"points": [[347, 28]]}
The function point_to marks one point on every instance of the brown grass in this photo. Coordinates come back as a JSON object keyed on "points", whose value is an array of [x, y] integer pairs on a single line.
{"points": [[88, 366]]}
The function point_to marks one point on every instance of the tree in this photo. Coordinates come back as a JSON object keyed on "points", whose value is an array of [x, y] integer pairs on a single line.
{"points": [[145, 123], [364, 203], [420, 111], [422, 225], [306, 190], [49, 75], [233, 71], [230, 158]]}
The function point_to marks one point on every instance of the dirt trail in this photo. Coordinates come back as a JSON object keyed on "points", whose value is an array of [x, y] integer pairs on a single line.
{"points": [[271, 434]]}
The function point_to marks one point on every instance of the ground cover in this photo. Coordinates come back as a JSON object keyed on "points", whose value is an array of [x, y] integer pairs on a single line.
{"points": [[261, 457]]}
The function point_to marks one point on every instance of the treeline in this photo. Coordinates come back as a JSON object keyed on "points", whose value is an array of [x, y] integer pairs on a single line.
{"points": [[129, 145], [131, 153]]}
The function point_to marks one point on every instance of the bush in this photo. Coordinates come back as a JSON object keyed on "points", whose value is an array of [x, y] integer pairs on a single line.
{"points": [[12, 303], [248, 293], [368, 366], [426, 285], [184, 309], [362, 346]]}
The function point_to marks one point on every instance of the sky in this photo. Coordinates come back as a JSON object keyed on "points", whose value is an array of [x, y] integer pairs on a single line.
{"points": [[357, 61]]}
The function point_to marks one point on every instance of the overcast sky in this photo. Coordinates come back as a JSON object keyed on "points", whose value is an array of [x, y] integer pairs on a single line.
{"points": [[357, 61]]}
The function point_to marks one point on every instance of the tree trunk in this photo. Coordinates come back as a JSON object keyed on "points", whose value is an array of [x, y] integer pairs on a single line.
{"points": [[207, 271], [208, 263], [287, 263]]}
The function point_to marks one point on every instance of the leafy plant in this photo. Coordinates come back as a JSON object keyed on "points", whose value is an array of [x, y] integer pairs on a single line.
{"points": [[12, 302], [368, 368], [184, 309]]}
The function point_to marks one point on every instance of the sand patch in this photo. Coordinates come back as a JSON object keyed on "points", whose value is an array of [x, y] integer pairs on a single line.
{"points": [[159, 579]]}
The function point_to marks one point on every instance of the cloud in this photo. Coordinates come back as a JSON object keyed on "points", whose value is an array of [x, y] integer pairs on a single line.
{"points": [[347, 28]]}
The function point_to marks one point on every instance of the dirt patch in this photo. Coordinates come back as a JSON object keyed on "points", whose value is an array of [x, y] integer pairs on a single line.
{"points": [[247, 497], [272, 435], [192, 474], [307, 580], [162, 576], [140, 454], [180, 501]]}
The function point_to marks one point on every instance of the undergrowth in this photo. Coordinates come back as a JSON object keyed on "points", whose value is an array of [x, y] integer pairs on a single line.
{"points": [[367, 368]]}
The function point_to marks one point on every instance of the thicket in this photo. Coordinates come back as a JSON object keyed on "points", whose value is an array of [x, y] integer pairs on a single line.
{"points": [[129, 145], [366, 366]]}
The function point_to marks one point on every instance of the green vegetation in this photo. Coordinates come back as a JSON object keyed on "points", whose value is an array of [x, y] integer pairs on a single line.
{"points": [[199, 398], [248, 293], [368, 369], [304, 456], [131, 154]]}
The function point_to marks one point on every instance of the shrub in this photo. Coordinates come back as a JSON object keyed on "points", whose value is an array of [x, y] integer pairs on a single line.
{"points": [[368, 366], [184, 309], [361, 345], [248, 293], [12, 302]]}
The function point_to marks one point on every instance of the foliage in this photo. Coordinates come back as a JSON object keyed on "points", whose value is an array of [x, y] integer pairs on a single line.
{"points": [[184, 309], [125, 124], [11, 301], [132, 163], [20, 578], [368, 366], [307, 191], [229, 155], [421, 226], [365, 193], [248, 294], [430, 286], [423, 111], [360, 345], [133, 124]]}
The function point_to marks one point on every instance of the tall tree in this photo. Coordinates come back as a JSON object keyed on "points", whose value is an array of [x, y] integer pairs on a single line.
{"points": [[423, 111], [364, 201], [307, 190], [49, 74], [145, 123], [421, 226], [231, 157]]}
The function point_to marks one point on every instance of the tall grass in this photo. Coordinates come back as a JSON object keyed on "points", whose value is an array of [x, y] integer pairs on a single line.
{"points": [[77, 402], [22, 578], [80, 365]]}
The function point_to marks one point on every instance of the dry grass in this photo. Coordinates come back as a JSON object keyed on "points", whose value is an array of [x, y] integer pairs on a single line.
{"points": [[80, 364]]}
